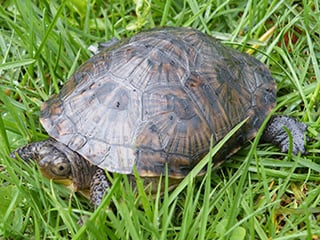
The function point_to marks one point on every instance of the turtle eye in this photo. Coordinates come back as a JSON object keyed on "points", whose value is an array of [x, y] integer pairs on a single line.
{"points": [[61, 169]]}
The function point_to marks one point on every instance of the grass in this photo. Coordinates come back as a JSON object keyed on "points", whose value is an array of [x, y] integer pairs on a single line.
{"points": [[258, 194]]}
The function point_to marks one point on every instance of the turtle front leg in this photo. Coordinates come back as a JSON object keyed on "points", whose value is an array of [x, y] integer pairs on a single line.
{"points": [[98, 187], [276, 134]]}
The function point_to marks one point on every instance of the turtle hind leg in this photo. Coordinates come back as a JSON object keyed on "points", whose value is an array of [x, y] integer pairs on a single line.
{"points": [[275, 133], [98, 187]]}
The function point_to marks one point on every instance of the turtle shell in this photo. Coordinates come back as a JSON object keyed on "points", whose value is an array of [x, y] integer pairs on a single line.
{"points": [[156, 99]]}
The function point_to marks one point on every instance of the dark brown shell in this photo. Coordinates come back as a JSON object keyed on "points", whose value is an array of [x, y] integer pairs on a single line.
{"points": [[156, 99]]}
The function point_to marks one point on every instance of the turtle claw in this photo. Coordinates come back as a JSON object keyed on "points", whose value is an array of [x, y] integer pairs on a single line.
{"points": [[276, 133]]}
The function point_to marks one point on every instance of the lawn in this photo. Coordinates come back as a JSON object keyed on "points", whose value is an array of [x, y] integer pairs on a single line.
{"points": [[259, 193]]}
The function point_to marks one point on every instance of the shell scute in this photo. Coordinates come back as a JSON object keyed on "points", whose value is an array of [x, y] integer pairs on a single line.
{"points": [[153, 102]]}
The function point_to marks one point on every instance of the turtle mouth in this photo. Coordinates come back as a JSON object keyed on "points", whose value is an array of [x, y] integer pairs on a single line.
{"points": [[65, 182], [70, 185]]}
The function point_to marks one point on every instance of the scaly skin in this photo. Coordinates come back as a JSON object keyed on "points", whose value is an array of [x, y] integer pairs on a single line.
{"points": [[276, 134], [99, 185]]}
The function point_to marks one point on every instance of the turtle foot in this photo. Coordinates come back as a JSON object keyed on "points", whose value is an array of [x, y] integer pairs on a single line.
{"points": [[276, 133]]}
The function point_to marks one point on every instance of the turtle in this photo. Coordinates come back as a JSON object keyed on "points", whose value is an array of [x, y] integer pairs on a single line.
{"points": [[156, 102]]}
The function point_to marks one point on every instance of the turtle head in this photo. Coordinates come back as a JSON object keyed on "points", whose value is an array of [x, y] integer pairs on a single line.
{"points": [[55, 165], [59, 163]]}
